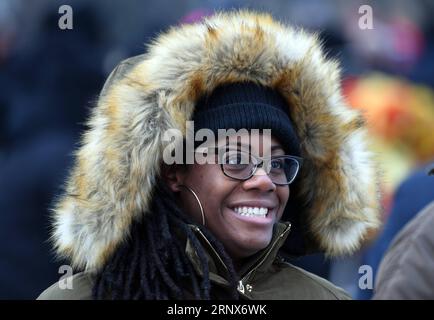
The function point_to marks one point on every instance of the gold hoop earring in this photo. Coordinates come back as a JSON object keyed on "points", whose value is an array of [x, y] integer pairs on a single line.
{"points": [[197, 199]]}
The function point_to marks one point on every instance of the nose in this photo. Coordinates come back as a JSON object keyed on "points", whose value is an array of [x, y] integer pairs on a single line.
{"points": [[260, 180]]}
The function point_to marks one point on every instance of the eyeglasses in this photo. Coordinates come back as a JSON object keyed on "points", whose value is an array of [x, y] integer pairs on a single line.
{"points": [[242, 165]]}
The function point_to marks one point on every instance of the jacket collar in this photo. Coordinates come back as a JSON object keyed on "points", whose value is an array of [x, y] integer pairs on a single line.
{"points": [[218, 269]]}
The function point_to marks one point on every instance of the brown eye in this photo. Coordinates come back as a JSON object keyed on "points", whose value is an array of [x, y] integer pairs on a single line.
{"points": [[237, 158], [277, 164]]}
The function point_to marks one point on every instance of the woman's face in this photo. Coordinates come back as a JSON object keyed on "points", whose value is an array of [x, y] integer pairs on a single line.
{"points": [[222, 197]]}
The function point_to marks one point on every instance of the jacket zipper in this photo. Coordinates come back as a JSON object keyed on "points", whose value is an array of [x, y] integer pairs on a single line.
{"points": [[197, 229], [241, 287]]}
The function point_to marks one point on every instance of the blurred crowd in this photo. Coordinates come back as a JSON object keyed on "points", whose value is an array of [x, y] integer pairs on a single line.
{"points": [[50, 77]]}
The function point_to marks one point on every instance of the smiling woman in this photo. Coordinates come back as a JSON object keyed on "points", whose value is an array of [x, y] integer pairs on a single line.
{"points": [[240, 210], [139, 228]]}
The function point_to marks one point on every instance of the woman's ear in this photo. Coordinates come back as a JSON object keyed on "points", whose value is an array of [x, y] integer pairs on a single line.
{"points": [[173, 175]]}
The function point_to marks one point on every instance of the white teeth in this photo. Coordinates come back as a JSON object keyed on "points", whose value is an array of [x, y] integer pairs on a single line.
{"points": [[251, 211]]}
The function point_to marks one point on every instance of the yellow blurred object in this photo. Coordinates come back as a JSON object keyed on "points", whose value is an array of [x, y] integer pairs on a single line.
{"points": [[400, 116], [394, 164], [399, 112]]}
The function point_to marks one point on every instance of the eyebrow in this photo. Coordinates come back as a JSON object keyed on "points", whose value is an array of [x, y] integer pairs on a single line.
{"points": [[276, 147], [273, 147]]}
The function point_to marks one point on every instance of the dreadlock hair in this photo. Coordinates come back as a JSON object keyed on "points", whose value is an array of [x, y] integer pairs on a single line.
{"points": [[152, 263]]}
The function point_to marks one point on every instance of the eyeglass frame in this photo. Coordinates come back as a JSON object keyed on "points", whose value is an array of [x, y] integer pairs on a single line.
{"points": [[260, 164]]}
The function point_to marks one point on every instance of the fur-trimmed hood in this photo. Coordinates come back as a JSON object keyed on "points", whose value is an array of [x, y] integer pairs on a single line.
{"points": [[119, 160]]}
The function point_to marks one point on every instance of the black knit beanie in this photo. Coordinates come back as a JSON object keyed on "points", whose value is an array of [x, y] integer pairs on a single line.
{"points": [[250, 106]]}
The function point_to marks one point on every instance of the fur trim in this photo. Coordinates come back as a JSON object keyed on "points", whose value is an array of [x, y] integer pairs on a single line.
{"points": [[118, 162]]}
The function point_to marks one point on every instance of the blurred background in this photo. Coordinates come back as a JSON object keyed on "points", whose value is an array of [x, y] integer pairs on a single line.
{"points": [[49, 78]]}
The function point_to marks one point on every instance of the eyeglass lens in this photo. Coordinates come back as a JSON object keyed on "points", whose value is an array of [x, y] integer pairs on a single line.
{"points": [[241, 165]]}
